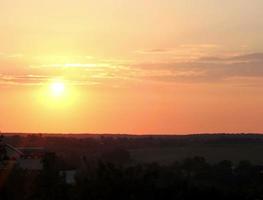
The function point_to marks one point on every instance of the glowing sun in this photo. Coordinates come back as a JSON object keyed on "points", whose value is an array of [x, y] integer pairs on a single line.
{"points": [[57, 88]]}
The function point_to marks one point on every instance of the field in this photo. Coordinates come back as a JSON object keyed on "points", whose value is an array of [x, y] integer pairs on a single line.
{"points": [[212, 153]]}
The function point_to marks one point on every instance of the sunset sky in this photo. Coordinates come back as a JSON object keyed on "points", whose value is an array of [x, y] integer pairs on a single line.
{"points": [[131, 66]]}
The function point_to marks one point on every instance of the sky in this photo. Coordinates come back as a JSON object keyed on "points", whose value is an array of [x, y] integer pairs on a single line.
{"points": [[121, 66]]}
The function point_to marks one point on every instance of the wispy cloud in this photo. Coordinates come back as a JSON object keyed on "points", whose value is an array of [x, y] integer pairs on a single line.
{"points": [[77, 65], [25, 79], [202, 69], [181, 52], [206, 69]]}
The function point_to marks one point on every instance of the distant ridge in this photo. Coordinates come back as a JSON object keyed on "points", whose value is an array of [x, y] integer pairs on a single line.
{"points": [[96, 135]]}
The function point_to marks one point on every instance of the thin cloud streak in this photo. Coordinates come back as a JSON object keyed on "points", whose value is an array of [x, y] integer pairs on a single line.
{"points": [[206, 69], [200, 70]]}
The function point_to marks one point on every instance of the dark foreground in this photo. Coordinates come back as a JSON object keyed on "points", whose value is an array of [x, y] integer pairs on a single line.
{"points": [[134, 168], [193, 178]]}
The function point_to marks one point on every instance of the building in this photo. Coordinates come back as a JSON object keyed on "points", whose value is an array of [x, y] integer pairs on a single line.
{"points": [[25, 158]]}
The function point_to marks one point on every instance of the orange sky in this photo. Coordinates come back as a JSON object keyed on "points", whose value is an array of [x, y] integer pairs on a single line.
{"points": [[141, 66]]}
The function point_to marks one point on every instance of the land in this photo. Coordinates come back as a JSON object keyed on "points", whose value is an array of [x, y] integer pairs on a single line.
{"points": [[221, 166], [163, 149]]}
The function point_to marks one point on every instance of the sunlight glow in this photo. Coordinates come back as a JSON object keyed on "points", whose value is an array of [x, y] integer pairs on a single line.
{"points": [[58, 94], [57, 88]]}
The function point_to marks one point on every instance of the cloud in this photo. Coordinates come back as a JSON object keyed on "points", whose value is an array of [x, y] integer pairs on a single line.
{"points": [[155, 51], [77, 65], [93, 73], [180, 52], [205, 69], [202, 69], [236, 58], [24, 80], [183, 47]]}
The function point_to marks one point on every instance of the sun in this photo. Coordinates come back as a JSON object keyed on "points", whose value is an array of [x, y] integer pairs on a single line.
{"points": [[58, 94], [57, 88]]}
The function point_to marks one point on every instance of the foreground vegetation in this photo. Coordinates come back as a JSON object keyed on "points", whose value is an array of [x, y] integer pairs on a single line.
{"points": [[134, 168], [192, 178]]}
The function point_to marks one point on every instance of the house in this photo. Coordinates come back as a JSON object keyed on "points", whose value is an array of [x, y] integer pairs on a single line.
{"points": [[25, 158]]}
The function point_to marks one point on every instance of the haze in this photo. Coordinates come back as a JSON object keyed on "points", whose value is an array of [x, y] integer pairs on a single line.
{"points": [[121, 66]]}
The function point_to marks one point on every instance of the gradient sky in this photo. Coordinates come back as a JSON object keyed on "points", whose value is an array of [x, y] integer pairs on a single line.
{"points": [[140, 66]]}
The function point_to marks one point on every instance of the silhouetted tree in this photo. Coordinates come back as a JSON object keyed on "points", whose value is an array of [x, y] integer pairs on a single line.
{"points": [[116, 156]]}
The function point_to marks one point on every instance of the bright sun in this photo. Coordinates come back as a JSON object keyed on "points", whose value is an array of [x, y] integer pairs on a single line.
{"points": [[57, 88]]}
